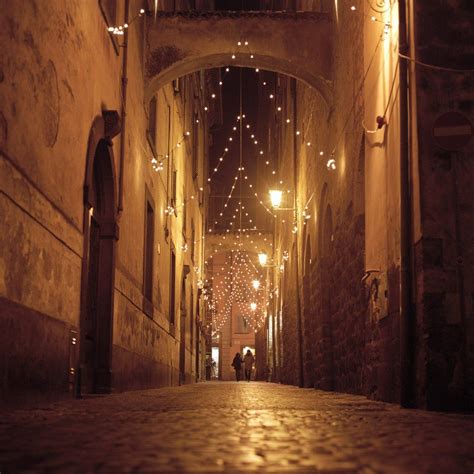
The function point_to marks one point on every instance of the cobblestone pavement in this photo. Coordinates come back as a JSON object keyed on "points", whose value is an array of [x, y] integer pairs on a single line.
{"points": [[234, 427]]}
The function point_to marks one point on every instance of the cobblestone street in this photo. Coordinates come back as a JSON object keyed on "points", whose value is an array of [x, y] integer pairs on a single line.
{"points": [[234, 427]]}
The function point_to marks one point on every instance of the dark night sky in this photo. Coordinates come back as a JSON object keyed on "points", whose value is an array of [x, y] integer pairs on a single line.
{"points": [[223, 179]]}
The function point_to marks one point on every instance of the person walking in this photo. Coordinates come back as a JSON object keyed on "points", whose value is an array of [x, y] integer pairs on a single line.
{"points": [[249, 360], [237, 365]]}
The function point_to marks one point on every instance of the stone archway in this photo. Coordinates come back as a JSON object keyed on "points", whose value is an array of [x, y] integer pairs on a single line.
{"points": [[98, 273], [180, 43]]}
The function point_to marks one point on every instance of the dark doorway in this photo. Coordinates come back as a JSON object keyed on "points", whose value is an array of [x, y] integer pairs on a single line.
{"points": [[100, 232], [327, 238], [182, 335], [308, 317]]}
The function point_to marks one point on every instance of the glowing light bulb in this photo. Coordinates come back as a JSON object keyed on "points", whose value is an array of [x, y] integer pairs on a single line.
{"points": [[275, 197], [331, 164]]}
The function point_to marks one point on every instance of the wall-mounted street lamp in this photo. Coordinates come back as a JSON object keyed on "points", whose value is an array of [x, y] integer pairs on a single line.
{"points": [[262, 258], [275, 199]]}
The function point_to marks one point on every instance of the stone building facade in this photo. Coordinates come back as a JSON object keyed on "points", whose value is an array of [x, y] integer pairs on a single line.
{"points": [[103, 195], [380, 256], [102, 204]]}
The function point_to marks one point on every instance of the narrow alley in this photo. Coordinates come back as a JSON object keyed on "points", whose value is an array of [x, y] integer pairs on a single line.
{"points": [[197, 192], [234, 427]]}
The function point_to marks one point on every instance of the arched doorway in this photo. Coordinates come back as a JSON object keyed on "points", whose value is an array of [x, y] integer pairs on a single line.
{"points": [[326, 241], [308, 316], [100, 235], [182, 334]]}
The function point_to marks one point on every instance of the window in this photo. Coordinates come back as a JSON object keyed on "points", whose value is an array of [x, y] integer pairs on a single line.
{"points": [[151, 128], [172, 308], [177, 85], [109, 10], [174, 178], [185, 216], [148, 253], [242, 325], [193, 240], [191, 322], [195, 150]]}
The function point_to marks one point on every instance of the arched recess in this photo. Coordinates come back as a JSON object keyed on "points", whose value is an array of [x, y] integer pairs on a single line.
{"points": [[308, 314], [192, 64], [326, 264], [98, 269], [182, 333]]}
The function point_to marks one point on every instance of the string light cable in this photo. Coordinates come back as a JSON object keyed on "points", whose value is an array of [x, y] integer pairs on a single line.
{"points": [[435, 67]]}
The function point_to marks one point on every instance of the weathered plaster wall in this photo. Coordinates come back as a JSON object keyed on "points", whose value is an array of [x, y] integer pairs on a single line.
{"points": [[49, 100], [61, 71]]}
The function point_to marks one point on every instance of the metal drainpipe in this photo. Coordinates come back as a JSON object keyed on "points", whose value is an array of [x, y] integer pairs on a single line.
{"points": [[123, 112], [299, 325], [407, 316]]}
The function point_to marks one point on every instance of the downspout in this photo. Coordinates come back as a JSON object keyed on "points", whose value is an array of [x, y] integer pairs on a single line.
{"points": [[299, 326], [123, 111], [407, 316]]}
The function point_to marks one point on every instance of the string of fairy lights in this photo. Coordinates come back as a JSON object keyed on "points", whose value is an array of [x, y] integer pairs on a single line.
{"points": [[243, 47], [233, 286], [231, 292]]}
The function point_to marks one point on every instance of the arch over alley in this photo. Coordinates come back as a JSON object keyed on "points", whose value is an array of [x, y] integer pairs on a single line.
{"points": [[180, 43]]}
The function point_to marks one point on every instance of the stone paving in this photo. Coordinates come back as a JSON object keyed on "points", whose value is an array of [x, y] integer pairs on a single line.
{"points": [[234, 427]]}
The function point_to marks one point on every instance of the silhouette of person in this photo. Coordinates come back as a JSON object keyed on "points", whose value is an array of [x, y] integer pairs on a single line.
{"points": [[237, 365], [249, 360]]}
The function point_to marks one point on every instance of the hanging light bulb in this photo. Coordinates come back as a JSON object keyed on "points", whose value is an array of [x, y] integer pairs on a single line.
{"points": [[253, 306], [262, 258], [331, 164], [256, 284]]}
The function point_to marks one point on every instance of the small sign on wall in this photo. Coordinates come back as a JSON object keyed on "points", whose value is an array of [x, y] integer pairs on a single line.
{"points": [[452, 131]]}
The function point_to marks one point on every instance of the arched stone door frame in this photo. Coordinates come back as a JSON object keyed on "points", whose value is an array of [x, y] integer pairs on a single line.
{"points": [[98, 265]]}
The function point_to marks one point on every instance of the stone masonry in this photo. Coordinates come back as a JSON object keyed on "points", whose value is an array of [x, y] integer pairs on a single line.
{"points": [[234, 427]]}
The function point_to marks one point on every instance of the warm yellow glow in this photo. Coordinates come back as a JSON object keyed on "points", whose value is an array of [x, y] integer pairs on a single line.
{"points": [[275, 197], [256, 284], [253, 306], [262, 258]]}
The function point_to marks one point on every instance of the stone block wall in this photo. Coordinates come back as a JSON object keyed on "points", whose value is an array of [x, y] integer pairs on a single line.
{"points": [[443, 255]]}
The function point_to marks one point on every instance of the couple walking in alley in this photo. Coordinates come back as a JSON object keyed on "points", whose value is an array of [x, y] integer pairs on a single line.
{"points": [[247, 361]]}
